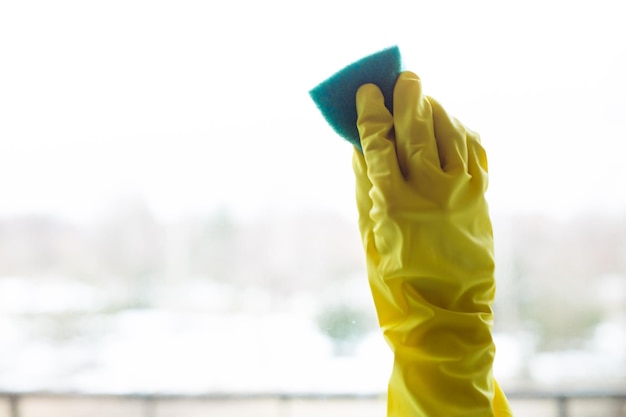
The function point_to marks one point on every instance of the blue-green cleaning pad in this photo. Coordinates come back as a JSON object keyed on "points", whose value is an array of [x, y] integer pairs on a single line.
{"points": [[335, 97]]}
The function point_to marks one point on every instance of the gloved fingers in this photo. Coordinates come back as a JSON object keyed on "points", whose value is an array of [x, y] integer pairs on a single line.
{"points": [[413, 120], [375, 125], [477, 167], [451, 139], [363, 200], [380, 292], [363, 184]]}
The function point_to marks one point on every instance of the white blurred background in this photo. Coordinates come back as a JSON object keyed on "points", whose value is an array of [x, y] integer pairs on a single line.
{"points": [[176, 216]]}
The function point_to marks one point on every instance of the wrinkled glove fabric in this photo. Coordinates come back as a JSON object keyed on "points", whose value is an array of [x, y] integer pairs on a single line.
{"points": [[427, 235]]}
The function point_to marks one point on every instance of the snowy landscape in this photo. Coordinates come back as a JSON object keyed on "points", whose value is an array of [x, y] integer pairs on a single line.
{"points": [[190, 350]]}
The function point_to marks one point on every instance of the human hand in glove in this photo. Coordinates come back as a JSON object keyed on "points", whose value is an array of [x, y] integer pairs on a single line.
{"points": [[428, 241]]}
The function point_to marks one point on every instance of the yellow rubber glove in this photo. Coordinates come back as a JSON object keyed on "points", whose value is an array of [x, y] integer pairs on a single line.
{"points": [[429, 247]]}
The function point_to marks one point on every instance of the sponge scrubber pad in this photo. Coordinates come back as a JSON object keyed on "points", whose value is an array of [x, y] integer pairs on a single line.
{"points": [[335, 97]]}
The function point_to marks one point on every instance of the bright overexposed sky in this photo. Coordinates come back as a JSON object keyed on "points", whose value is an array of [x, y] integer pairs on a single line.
{"points": [[194, 105]]}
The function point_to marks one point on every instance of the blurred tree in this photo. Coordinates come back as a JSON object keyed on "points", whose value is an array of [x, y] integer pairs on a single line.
{"points": [[345, 326], [557, 264], [36, 245], [214, 246], [550, 270], [130, 244]]}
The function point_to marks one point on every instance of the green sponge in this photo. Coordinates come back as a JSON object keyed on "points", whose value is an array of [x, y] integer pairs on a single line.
{"points": [[335, 97]]}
